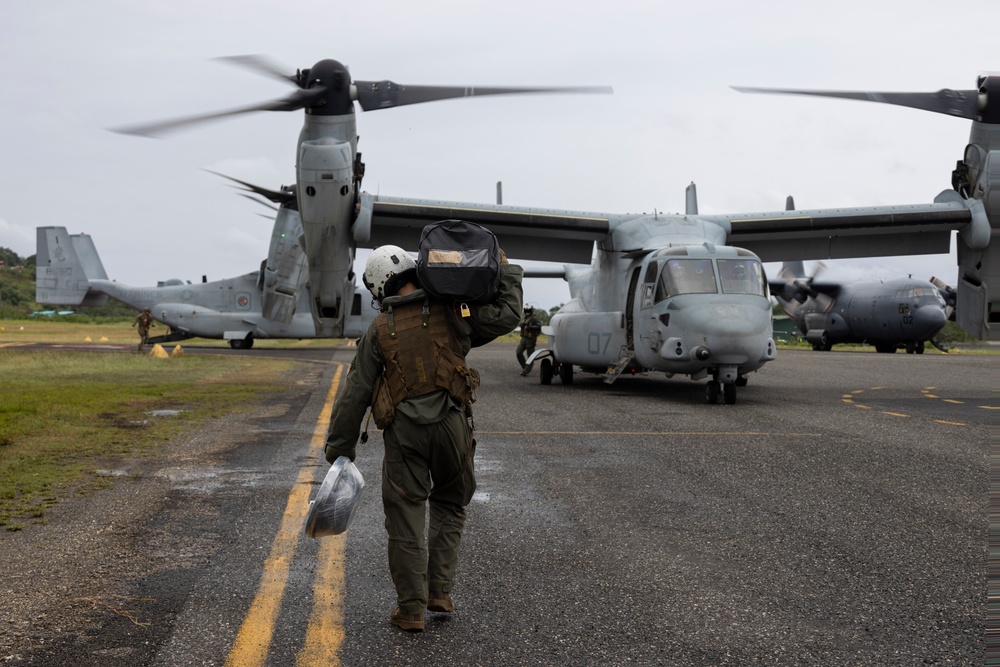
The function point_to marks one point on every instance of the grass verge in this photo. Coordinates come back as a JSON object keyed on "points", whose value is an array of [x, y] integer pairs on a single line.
{"points": [[64, 415], [17, 332]]}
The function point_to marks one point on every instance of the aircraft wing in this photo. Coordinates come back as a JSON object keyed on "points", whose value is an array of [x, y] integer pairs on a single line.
{"points": [[524, 233], [871, 231]]}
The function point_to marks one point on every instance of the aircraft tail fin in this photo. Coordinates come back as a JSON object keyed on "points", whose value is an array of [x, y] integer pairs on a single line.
{"points": [[792, 270], [86, 252], [65, 264], [691, 199]]}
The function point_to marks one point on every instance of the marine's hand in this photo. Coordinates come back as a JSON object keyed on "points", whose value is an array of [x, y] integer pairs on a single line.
{"points": [[503, 256], [332, 454]]}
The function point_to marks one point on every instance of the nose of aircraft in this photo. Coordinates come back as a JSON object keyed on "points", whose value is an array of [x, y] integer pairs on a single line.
{"points": [[733, 333], [928, 320]]}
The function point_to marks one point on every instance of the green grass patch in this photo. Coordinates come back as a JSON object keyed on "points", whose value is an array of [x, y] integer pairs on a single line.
{"points": [[45, 330], [65, 414]]}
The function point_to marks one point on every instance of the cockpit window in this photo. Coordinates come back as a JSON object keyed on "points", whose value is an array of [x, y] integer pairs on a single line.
{"points": [[686, 276], [914, 292], [742, 276]]}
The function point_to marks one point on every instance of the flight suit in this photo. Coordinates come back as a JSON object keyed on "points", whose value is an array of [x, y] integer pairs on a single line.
{"points": [[429, 448], [530, 329], [145, 321]]}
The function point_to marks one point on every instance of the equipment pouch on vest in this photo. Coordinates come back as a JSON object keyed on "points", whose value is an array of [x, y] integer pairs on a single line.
{"points": [[383, 407], [460, 380]]}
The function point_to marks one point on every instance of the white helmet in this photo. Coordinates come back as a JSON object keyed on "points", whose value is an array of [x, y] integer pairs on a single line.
{"points": [[384, 263]]}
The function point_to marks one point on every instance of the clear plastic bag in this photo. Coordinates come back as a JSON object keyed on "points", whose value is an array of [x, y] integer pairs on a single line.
{"points": [[339, 496]]}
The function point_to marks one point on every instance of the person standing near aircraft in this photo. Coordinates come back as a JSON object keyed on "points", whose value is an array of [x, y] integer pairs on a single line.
{"points": [[144, 320], [530, 328], [410, 368]]}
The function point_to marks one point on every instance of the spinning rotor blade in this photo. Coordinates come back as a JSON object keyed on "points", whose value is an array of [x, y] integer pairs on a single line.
{"points": [[262, 203], [798, 289], [949, 294], [326, 89], [968, 104], [300, 99], [284, 196], [261, 65], [374, 95]]}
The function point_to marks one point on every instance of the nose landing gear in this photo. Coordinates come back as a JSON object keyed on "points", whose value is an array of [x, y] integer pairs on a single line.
{"points": [[728, 391]]}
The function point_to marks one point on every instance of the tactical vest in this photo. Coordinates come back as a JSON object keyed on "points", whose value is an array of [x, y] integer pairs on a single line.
{"points": [[422, 354]]}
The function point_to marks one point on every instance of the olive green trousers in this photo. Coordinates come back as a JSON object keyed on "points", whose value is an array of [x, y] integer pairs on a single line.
{"points": [[426, 464]]}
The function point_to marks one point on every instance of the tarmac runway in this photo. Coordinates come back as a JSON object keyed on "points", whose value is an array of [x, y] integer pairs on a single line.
{"points": [[836, 515]]}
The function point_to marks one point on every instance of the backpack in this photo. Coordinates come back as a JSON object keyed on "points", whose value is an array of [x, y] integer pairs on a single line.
{"points": [[459, 261]]}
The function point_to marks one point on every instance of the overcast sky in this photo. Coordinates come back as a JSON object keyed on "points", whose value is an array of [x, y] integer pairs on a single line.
{"points": [[69, 70]]}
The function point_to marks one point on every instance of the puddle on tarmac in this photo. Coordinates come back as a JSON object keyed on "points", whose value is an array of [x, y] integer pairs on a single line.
{"points": [[212, 479], [164, 413], [112, 473]]}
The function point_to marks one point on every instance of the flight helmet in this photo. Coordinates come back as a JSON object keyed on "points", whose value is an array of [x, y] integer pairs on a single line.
{"points": [[385, 263]]}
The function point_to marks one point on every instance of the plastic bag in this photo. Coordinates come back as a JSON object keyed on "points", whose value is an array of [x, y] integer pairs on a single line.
{"points": [[339, 496]]}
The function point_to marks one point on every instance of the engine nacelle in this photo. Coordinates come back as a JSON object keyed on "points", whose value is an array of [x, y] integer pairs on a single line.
{"points": [[326, 208], [284, 272]]}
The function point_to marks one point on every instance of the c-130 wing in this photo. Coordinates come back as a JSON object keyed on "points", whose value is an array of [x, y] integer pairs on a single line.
{"points": [[524, 233]]}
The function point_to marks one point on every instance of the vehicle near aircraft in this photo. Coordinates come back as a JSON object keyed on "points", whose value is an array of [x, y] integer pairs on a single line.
{"points": [[239, 309], [622, 314], [902, 313]]}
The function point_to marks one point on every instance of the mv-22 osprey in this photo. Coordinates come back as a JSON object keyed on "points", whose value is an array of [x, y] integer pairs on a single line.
{"points": [[682, 293]]}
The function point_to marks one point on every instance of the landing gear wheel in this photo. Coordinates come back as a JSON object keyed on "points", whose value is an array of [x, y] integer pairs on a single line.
{"points": [[729, 393], [545, 371], [566, 373], [741, 381], [823, 345], [242, 343], [712, 392], [920, 347], [886, 349]]}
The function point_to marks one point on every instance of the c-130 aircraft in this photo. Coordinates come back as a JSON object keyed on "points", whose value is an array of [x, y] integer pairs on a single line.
{"points": [[628, 312], [901, 313]]}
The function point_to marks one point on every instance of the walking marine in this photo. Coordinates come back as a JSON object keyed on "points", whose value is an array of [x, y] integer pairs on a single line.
{"points": [[530, 328], [410, 368], [145, 321]]}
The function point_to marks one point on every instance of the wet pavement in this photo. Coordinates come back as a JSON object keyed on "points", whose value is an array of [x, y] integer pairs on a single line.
{"points": [[835, 515]]}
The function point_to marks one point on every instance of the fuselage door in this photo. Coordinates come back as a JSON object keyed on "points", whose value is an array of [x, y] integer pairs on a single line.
{"points": [[630, 308]]}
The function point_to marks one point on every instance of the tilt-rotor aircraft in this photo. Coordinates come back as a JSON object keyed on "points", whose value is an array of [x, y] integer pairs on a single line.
{"points": [[305, 288], [682, 293], [241, 310], [902, 313]]}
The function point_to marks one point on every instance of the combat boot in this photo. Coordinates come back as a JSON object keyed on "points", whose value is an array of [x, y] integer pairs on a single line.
{"points": [[440, 601], [411, 622]]}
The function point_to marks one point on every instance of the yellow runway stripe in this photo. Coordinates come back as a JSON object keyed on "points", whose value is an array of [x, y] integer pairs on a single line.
{"points": [[895, 414], [941, 421], [325, 633], [779, 433], [254, 638]]}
